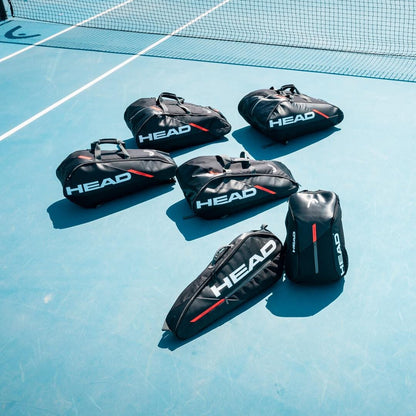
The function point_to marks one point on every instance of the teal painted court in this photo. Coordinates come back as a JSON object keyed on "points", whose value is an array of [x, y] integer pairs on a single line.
{"points": [[84, 292]]}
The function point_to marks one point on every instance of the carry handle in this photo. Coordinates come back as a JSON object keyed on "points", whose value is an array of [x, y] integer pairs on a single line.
{"points": [[219, 253], [170, 95], [243, 159], [290, 87], [96, 149]]}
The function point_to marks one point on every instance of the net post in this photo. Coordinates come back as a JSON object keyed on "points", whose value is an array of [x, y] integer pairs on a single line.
{"points": [[3, 14]]}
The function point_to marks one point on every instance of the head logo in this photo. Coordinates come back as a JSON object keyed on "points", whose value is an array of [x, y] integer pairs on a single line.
{"points": [[92, 186], [340, 258], [293, 242], [255, 262], [165, 134], [284, 121], [226, 199]]}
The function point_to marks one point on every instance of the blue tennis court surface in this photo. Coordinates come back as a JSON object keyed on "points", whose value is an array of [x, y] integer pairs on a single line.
{"points": [[84, 293]]}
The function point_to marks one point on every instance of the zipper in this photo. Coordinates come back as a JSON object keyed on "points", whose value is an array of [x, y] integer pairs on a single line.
{"points": [[244, 281], [233, 248], [261, 100], [145, 121], [240, 175], [242, 238], [167, 139], [171, 114], [138, 112], [175, 118]]}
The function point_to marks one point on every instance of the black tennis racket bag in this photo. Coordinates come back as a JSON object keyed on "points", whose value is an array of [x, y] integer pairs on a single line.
{"points": [[91, 177], [215, 186], [286, 113], [168, 123], [315, 245], [241, 270]]}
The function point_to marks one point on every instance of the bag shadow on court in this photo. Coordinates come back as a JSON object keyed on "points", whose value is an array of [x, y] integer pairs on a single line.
{"points": [[193, 227], [292, 300], [261, 147], [284, 299], [169, 340], [65, 214]]}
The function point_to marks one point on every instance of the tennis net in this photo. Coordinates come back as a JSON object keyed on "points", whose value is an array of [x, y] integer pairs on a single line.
{"points": [[379, 27]]}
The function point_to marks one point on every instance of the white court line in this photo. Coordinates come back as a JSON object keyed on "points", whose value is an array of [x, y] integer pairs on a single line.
{"points": [[106, 74], [63, 31]]}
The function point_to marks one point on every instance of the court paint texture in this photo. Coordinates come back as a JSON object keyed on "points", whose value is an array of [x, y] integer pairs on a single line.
{"points": [[84, 293]]}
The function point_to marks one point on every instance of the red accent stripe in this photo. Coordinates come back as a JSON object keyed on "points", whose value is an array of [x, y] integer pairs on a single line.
{"points": [[314, 233], [136, 172], [197, 318], [84, 157], [321, 114], [265, 189], [198, 127]]}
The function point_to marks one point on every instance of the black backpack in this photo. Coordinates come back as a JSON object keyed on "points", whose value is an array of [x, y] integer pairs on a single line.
{"points": [[286, 113], [91, 177], [215, 186], [168, 123], [241, 270], [315, 245]]}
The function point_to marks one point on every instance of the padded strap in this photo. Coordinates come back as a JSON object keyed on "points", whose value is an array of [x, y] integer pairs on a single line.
{"points": [[96, 149]]}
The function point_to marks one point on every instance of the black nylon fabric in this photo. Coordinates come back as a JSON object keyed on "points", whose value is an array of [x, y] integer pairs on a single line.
{"points": [[169, 123], [215, 186], [248, 265], [285, 113], [315, 243], [89, 181]]}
